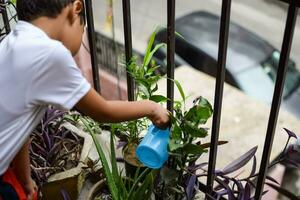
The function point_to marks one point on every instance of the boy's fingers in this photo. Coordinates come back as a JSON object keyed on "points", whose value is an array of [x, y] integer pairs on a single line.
{"points": [[30, 196], [34, 185]]}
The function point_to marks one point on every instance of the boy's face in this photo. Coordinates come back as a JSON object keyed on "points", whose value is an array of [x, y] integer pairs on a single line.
{"points": [[73, 31]]}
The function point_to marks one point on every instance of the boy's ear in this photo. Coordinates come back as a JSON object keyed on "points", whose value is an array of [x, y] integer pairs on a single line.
{"points": [[76, 9]]}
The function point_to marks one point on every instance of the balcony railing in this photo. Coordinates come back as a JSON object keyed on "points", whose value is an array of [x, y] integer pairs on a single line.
{"points": [[218, 97], [222, 54]]}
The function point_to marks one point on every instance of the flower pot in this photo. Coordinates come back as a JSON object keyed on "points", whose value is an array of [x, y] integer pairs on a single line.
{"points": [[132, 164], [101, 188], [70, 181], [97, 189]]}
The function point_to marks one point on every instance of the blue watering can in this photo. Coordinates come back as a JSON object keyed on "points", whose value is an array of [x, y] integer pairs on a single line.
{"points": [[153, 150]]}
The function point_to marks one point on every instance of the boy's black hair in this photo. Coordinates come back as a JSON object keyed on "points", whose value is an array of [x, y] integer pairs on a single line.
{"points": [[29, 10]]}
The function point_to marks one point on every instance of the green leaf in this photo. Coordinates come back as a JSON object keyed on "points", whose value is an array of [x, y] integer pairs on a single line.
{"points": [[145, 189], [149, 57], [174, 145], [144, 90], [173, 119], [109, 177], [114, 167], [154, 89], [137, 181], [193, 149], [194, 131], [122, 187], [204, 103], [176, 133], [178, 85], [200, 113], [149, 47], [207, 145], [151, 70], [158, 98], [177, 105]]}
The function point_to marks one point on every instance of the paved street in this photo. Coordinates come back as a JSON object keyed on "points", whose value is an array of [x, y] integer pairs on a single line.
{"points": [[261, 17]]}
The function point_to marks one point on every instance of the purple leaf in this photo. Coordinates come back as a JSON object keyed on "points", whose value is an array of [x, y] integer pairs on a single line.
{"points": [[65, 195], [290, 162], [220, 194], [227, 188], [240, 187], [46, 139], [121, 144], [290, 133], [190, 187], [253, 167], [240, 162], [218, 172], [247, 193], [54, 115], [219, 187], [194, 168]]}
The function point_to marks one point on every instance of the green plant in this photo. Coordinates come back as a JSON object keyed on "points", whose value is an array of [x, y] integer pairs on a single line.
{"points": [[121, 188], [145, 79], [185, 147], [178, 179]]}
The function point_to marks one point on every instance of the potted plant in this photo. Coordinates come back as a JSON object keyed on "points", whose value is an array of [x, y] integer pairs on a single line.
{"points": [[235, 187], [145, 79], [58, 152], [178, 179], [115, 186], [185, 148]]}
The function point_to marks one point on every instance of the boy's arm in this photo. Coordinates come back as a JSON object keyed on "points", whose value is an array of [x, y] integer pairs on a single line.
{"points": [[21, 168], [95, 106]]}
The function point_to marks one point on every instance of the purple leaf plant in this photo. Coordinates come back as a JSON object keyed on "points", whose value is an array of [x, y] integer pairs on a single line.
{"points": [[235, 188], [53, 148]]}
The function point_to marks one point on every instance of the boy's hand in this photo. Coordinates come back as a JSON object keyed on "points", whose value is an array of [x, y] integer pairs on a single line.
{"points": [[30, 190], [159, 116]]}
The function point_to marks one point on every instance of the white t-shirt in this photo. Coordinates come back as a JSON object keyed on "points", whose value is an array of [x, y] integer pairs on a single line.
{"points": [[35, 71]]}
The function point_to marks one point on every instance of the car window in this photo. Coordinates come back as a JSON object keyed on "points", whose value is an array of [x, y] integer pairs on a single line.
{"points": [[255, 83], [245, 49], [270, 66]]}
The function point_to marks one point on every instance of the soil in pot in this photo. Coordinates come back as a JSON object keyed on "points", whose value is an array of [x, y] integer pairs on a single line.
{"points": [[132, 164]]}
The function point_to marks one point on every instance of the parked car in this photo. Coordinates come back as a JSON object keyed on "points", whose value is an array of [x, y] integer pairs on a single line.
{"points": [[251, 61]]}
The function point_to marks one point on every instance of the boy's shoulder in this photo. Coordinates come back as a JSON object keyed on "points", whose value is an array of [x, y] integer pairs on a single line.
{"points": [[30, 41], [34, 49], [30, 38]]}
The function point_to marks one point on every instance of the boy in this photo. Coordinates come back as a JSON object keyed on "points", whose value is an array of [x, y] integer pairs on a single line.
{"points": [[36, 70]]}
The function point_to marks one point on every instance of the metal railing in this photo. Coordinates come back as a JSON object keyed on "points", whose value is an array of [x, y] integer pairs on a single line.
{"points": [[222, 54], [8, 15]]}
